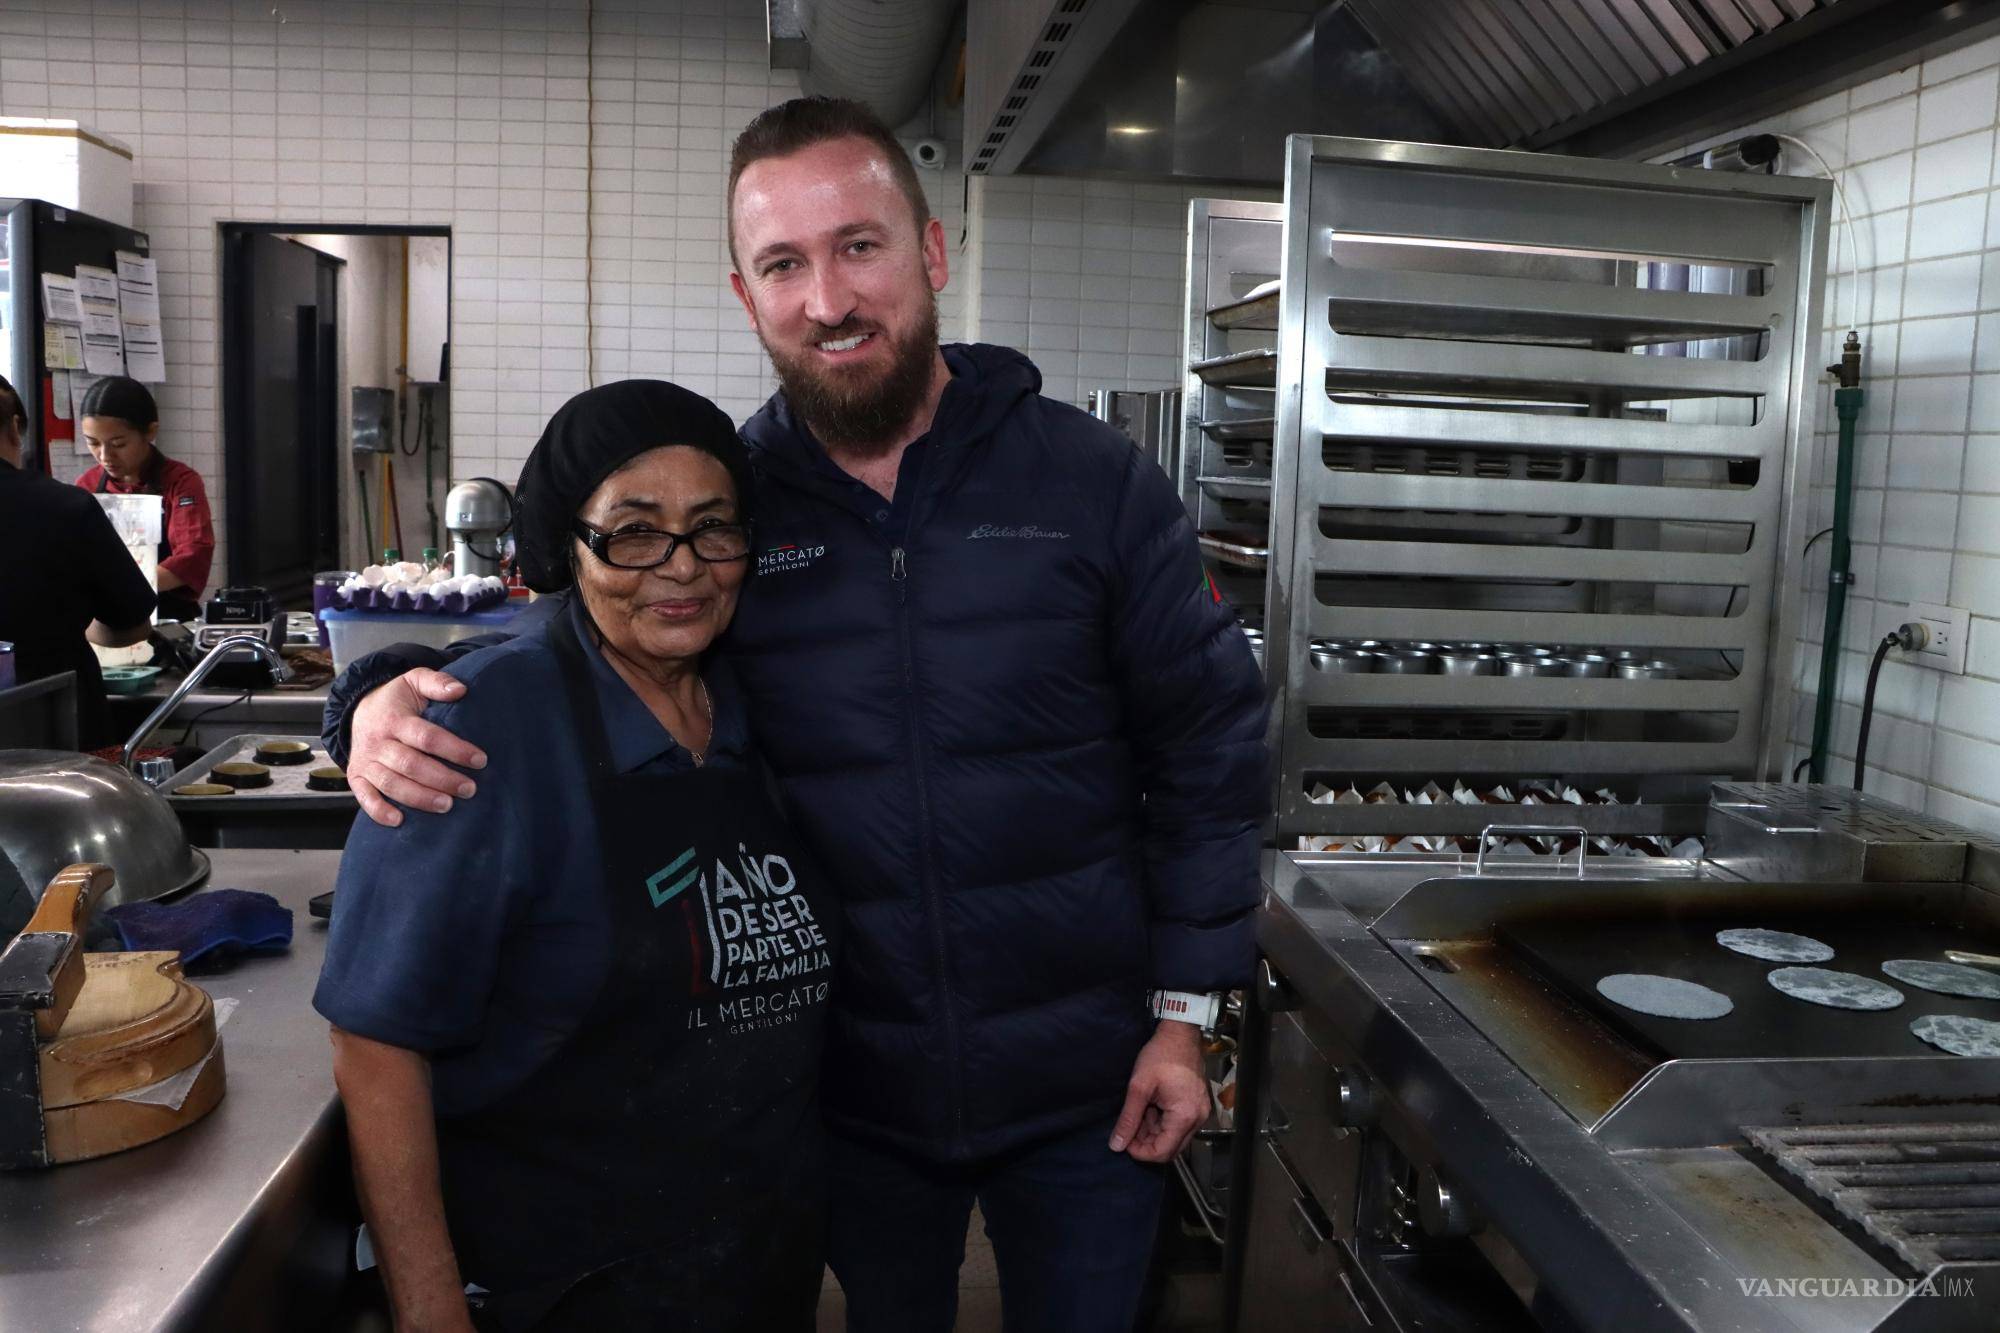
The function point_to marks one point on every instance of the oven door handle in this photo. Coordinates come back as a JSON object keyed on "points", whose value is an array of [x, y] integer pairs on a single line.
{"points": [[1491, 833]]}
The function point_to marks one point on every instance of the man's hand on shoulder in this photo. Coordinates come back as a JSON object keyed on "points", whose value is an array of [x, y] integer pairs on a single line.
{"points": [[1167, 1097], [395, 754]]}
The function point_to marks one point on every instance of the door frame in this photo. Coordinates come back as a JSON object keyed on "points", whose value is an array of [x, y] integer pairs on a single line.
{"points": [[234, 415]]}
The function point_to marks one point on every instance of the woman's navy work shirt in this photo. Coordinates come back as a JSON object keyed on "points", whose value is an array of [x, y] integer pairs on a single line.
{"points": [[479, 936]]}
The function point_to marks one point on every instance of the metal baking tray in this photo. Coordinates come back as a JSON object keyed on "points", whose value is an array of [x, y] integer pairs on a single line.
{"points": [[1231, 553], [1259, 366], [1255, 309], [288, 791]]}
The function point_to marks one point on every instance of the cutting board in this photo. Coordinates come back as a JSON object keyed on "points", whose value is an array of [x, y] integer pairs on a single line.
{"points": [[104, 1025]]}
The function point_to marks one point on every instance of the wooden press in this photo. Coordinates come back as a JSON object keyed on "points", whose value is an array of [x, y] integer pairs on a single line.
{"points": [[78, 1029]]}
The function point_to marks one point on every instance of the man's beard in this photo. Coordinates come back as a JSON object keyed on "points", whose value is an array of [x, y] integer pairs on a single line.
{"points": [[860, 417]]}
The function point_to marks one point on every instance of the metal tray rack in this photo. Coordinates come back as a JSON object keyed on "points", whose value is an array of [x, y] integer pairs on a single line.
{"points": [[1224, 463], [1534, 399]]}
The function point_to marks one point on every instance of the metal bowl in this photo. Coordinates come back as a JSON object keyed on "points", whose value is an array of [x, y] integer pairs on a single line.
{"points": [[58, 808], [1588, 666], [1407, 662], [1469, 664], [1344, 661], [1656, 669], [1532, 666]]}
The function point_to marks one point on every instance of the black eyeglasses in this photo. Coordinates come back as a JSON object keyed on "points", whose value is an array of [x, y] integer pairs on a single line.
{"points": [[646, 548]]}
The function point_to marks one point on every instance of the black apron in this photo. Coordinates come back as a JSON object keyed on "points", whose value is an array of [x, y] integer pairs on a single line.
{"points": [[662, 1170], [175, 603]]}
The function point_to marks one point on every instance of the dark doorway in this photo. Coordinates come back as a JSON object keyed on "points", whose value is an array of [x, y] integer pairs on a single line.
{"points": [[280, 378]]}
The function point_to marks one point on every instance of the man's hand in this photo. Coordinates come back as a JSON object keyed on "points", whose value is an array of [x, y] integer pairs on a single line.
{"points": [[394, 754], [1167, 1099]]}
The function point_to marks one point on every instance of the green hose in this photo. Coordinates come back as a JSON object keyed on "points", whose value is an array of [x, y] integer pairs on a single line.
{"points": [[1847, 403]]}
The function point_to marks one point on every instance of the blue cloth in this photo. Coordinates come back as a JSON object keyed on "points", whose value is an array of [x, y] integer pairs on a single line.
{"points": [[1034, 764], [209, 927], [479, 936], [1072, 1223]]}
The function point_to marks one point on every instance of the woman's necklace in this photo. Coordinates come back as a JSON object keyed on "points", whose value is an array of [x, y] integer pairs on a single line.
{"points": [[708, 708]]}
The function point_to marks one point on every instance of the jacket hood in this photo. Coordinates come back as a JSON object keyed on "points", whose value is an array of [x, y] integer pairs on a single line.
{"points": [[986, 384]]}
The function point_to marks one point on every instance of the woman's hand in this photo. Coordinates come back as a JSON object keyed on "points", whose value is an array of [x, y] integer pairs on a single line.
{"points": [[393, 754]]}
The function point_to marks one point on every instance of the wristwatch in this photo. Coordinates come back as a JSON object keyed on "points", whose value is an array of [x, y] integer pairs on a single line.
{"points": [[1179, 1006]]}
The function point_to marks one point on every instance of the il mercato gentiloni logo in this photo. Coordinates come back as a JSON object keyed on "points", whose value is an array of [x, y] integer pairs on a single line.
{"points": [[788, 558]]}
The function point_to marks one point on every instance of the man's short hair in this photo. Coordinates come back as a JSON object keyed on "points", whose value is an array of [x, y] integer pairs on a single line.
{"points": [[794, 126]]}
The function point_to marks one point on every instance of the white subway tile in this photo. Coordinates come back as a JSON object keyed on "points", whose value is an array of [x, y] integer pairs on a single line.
{"points": [[1941, 287], [1953, 167], [1962, 105], [1881, 130]]}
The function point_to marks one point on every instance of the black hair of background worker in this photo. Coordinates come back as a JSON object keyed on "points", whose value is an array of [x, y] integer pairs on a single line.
{"points": [[121, 425]]}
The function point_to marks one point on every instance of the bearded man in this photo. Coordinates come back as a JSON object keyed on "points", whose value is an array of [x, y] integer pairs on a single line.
{"points": [[1010, 715]]}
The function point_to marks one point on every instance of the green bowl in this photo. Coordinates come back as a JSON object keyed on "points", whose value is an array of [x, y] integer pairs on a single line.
{"points": [[129, 679]]}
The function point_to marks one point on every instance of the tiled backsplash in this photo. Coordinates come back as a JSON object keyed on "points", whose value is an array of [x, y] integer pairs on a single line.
{"points": [[1915, 154]]}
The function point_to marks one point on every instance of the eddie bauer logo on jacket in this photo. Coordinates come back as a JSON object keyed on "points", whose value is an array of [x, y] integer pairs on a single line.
{"points": [[751, 933], [1026, 532], [784, 559]]}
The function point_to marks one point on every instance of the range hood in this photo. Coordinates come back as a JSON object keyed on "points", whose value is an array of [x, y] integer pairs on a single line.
{"points": [[1207, 90]]}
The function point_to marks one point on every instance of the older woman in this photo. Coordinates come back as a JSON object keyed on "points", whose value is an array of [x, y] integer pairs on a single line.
{"points": [[577, 1020]]}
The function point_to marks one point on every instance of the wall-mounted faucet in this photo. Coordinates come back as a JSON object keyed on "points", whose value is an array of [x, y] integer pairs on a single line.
{"points": [[279, 671]]}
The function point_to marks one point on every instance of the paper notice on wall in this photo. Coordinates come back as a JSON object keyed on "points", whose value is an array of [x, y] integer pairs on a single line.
{"points": [[59, 299], [104, 350], [145, 359], [138, 291], [72, 347], [52, 345], [79, 385], [98, 285]]}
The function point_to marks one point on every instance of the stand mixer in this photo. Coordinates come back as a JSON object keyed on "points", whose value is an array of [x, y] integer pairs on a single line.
{"points": [[477, 513]]}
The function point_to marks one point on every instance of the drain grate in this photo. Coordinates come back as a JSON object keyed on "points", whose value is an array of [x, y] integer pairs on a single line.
{"points": [[1930, 1192]]}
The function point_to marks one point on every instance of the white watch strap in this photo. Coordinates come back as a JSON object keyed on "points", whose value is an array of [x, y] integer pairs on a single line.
{"points": [[1187, 1007]]}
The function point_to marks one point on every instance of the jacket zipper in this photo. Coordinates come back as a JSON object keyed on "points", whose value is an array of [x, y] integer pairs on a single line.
{"points": [[899, 574]]}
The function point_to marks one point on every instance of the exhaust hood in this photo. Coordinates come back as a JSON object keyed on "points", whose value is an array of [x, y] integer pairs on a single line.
{"points": [[1207, 90]]}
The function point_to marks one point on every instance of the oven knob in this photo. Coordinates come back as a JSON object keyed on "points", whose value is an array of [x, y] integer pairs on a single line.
{"points": [[1353, 1099], [1439, 1208]]}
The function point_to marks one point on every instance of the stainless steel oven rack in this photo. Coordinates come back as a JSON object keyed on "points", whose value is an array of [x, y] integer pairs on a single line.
{"points": [[1223, 466], [1530, 400]]}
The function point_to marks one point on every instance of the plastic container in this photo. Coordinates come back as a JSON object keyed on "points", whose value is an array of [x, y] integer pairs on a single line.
{"points": [[355, 634]]}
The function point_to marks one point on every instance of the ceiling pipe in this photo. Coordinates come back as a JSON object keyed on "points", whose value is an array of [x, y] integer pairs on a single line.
{"points": [[880, 52]]}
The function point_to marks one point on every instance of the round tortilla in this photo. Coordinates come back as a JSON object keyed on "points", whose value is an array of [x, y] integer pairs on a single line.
{"points": [[1774, 946], [1835, 990], [1959, 1035], [1664, 997], [1945, 978]]}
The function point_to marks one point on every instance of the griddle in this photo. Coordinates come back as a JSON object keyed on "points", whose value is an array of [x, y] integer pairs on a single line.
{"points": [[1574, 954]]}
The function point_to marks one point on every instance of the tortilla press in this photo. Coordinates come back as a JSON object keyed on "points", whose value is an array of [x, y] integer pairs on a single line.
{"points": [[78, 1030]]}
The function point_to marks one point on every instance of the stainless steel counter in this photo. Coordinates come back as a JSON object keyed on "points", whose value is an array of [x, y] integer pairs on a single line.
{"points": [[223, 712], [239, 1221]]}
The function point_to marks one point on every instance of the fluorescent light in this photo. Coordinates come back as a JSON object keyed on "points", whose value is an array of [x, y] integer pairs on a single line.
{"points": [[1132, 129]]}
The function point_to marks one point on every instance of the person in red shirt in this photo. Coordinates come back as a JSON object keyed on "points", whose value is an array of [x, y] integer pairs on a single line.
{"points": [[120, 422]]}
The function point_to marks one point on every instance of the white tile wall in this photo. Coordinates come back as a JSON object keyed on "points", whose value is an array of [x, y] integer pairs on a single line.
{"points": [[1087, 276], [1915, 151], [470, 114]]}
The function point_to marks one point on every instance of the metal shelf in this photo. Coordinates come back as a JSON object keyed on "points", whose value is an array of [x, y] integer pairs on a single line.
{"points": [[1255, 309], [1466, 446]]}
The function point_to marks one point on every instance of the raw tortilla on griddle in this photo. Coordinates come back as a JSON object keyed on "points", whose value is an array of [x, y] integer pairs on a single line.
{"points": [[1945, 978], [1774, 946], [1835, 990], [1664, 997], [1959, 1035]]}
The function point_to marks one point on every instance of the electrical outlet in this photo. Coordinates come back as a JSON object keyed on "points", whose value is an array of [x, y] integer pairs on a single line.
{"points": [[1950, 628]]}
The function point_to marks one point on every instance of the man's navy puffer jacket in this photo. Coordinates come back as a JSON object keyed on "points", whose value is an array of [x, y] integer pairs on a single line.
{"points": [[1029, 748], [1028, 744]]}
